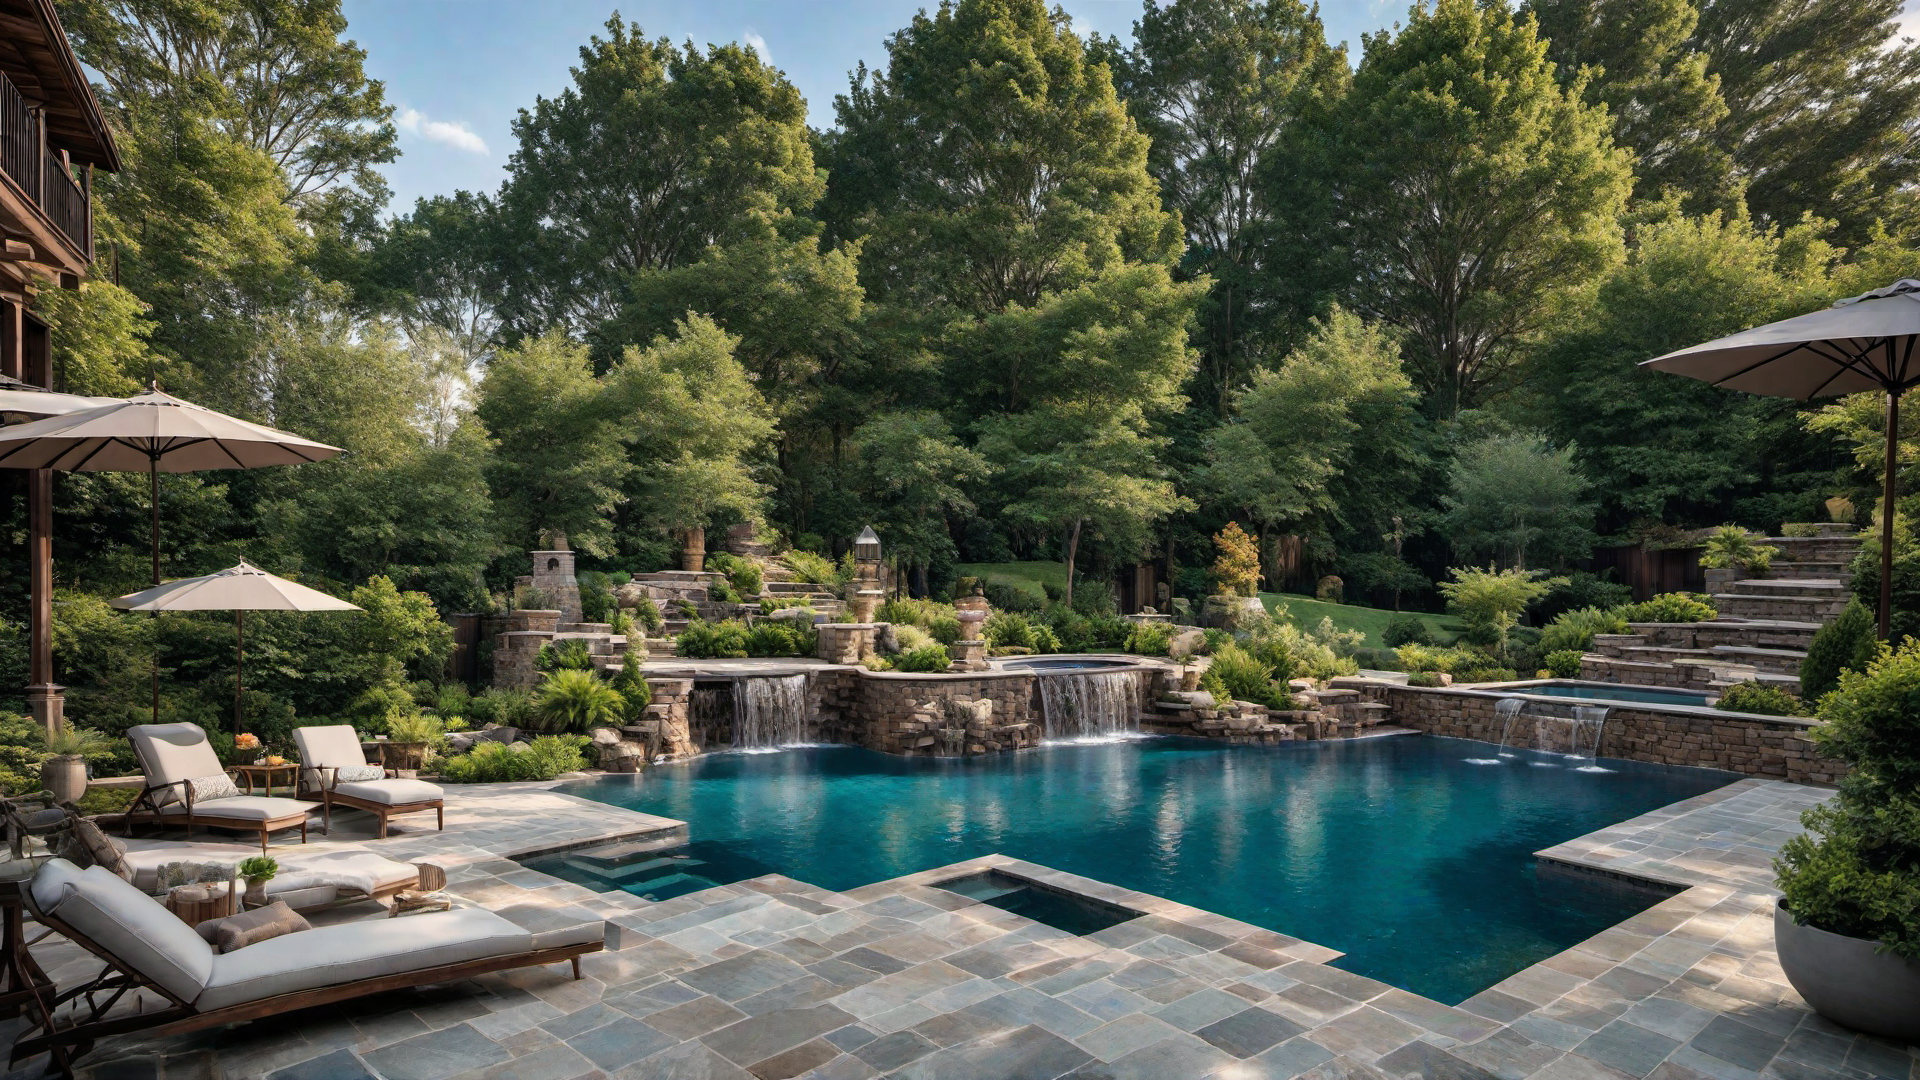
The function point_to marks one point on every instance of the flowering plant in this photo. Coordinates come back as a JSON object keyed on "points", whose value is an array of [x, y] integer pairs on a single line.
{"points": [[244, 741]]}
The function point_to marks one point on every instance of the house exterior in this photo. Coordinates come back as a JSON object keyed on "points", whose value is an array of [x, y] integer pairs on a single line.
{"points": [[53, 136]]}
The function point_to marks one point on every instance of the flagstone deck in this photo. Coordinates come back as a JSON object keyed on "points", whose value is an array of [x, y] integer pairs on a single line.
{"points": [[773, 978]]}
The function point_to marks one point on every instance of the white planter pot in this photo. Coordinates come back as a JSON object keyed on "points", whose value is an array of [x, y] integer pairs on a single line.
{"points": [[65, 776], [1848, 981]]}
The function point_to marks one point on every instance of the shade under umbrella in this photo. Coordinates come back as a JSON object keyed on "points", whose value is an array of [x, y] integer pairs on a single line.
{"points": [[240, 589], [1863, 343]]}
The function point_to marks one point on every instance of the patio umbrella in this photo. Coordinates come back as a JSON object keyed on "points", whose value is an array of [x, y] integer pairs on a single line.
{"points": [[152, 433], [21, 401], [241, 589], [1860, 344]]}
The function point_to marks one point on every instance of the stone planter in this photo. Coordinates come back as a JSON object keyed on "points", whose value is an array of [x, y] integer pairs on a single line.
{"points": [[1721, 580], [693, 554], [403, 756], [65, 776], [1847, 981]]}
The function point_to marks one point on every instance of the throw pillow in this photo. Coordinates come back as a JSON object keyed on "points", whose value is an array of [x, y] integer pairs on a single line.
{"points": [[209, 788], [83, 844], [252, 927], [348, 774]]}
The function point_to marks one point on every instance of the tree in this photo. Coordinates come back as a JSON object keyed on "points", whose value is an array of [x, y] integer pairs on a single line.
{"points": [[1823, 108], [912, 475], [1491, 601], [271, 74], [695, 428], [1216, 85], [437, 267], [99, 335], [1677, 450], [1473, 189], [655, 153], [559, 463], [1295, 427], [1238, 567], [1635, 57], [1514, 496]]}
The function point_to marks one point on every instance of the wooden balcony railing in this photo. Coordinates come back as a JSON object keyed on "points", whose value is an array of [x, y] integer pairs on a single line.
{"points": [[41, 173]]}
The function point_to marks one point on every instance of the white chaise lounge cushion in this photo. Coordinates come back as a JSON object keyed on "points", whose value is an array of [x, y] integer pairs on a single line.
{"points": [[135, 929], [49, 885], [350, 952], [391, 792], [172, 754], [553, 927], [243, 808], [333, 746]]}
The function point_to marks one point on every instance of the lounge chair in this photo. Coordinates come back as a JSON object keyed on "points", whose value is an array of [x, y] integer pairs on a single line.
{"points": [[332, 763], [145, 946], [306, 881], [181, 768]]}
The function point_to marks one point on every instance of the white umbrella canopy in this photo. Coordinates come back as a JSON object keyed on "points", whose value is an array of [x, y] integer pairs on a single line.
{"points": [[1864, 343], [24, 401], [153, 431], [239, 589]]}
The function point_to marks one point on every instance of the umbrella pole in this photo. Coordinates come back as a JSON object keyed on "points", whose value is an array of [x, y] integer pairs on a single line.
{"points": [[1886, 514], [239, 671], [153, 490]]}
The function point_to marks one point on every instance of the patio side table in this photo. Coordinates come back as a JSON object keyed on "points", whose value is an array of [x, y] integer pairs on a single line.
{"points": [[268, 773]]}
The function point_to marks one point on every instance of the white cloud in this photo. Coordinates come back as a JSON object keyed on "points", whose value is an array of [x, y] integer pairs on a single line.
{"points": [[758, 44], [454, 134]]}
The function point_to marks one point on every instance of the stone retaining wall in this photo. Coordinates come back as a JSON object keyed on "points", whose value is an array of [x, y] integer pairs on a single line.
{"points": [[1770, 746]]}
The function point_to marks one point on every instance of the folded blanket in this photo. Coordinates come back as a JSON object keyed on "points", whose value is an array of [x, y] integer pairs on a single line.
{"points": [[360, 871]]}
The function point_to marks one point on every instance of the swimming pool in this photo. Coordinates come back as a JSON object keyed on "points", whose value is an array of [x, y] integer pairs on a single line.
{"points": [[1396, 851], [1068, 663]]}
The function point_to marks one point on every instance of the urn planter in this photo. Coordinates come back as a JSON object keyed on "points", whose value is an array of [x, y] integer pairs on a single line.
{"points": [[65, 775], [1848, 980]]}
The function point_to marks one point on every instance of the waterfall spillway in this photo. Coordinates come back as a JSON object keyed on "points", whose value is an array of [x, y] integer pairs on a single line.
{"points": [[1575, 736], [1081, 705], [769, 712], [1506, 710]]}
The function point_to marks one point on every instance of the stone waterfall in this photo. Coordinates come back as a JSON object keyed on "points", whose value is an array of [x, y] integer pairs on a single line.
{"points": [[769, 712], [1088, 704]]}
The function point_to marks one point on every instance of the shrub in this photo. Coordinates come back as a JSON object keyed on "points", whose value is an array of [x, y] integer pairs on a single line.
{"points": [[452, 699], [1563, 663], [493, 763], [648, 613], [1004, 597], [814, 569], [1731, 546], [1426, 678], [926, 658], [1044, 639], [635, 691], [944, 628], [1149, 639], [1856, 871], [1377, 659], [1238, 567], [1574, 630], [1491, 601], [571, 700], [571, 654], [596, 599], [743, 575], [1673, 607], [417, 728], [508, 707], [1453, 661], [709, 640], [1486, 674], [1243, 677], [1008, 630], [1848, 643], [1582, 590], [1406, 630], [910, 637], [1756, 697], [778, 637]]}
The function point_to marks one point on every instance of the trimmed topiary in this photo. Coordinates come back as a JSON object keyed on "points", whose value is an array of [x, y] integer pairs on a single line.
{"points": [[1406, 630], [1848, 643], [1563, 663]]}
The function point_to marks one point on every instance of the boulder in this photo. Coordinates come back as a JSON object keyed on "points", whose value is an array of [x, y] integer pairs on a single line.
{"points": [[791, 614], [460, 742], [622, 756], [519, 747], [605, 736], [967, 712], [1186, 643], [885, 641], [497, 733]]}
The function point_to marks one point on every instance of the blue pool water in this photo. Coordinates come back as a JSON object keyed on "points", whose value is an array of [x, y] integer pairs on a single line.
{"points": [[1397, 851], [1615, 693]]}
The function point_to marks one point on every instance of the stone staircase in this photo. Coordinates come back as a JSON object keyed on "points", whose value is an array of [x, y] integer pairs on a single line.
{"points": [[1764, 629]]}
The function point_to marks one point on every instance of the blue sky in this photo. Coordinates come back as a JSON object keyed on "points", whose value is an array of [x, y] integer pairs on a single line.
{"points": [[458, 70]]}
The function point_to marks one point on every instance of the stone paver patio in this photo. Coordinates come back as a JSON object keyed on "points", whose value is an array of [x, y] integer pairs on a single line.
{"points": [[773, 978]]}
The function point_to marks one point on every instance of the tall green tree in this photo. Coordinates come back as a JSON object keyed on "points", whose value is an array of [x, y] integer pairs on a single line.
{"points": [[559, 464], [1216, 85], [1637, 58], [1515, 498], [655, 153], [1823, 108], [696, 429], [439, 267], [1472, 190], [913, 477]]}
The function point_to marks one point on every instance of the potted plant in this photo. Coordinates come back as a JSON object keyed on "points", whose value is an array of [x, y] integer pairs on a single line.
{"points": [[1848, 922], [410, 738], [256, 872], [1732, 553], [65, 773]]}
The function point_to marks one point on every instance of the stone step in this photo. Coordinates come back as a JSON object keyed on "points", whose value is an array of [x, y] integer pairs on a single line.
{"points": [[792, 588], [1796, 586], [1810, 568], [1756, 633], [1811, 609], [1776, 661], [1816, 548]]}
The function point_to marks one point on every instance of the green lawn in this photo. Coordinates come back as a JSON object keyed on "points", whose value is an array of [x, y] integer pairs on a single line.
{"points": [[1303, 610], [1306, 611]]}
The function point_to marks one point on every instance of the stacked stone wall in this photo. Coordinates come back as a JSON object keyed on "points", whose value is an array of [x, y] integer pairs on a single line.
{"points": [[1769, 746]]}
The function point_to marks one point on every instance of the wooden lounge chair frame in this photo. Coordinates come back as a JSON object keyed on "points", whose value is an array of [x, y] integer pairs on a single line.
{"points": [[65, 1041], [149, 796], [383, 811]]}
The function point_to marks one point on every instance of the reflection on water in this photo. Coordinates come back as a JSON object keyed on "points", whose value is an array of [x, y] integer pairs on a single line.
{"points": [[1396, 851]]}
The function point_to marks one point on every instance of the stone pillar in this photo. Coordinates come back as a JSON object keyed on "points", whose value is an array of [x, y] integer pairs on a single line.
{"points": [[970, 652], [553, 575], [693, 553]]}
